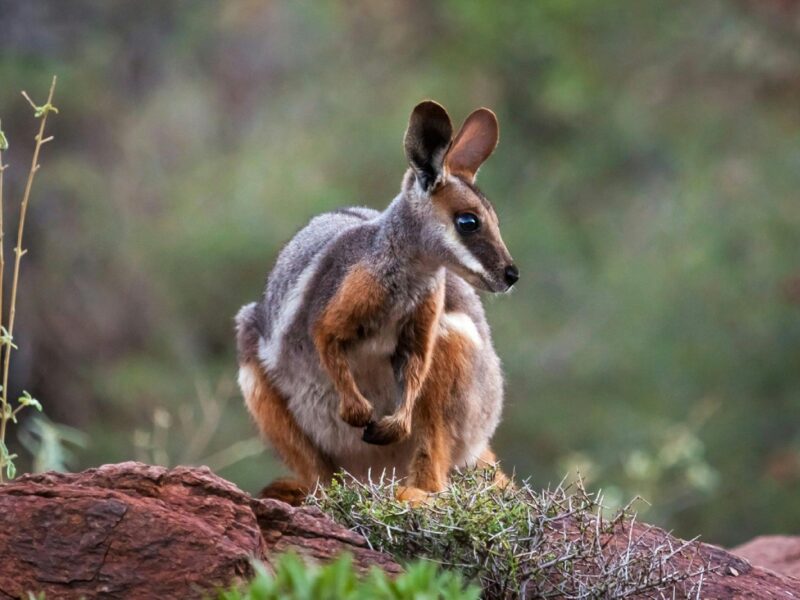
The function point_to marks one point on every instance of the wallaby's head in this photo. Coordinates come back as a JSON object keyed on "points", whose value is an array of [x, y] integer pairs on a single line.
{"points": [[459, 226]]}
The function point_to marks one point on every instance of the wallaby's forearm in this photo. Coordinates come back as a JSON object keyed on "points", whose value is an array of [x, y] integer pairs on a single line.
{"points": [[351, 313], [354, 408]]}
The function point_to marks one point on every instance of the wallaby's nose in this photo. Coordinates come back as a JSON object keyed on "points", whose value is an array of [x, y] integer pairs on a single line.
{"points": [[512, 275]]}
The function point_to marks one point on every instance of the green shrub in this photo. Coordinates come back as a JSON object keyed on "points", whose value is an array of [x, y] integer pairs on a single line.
{"points": [[294, 580]]}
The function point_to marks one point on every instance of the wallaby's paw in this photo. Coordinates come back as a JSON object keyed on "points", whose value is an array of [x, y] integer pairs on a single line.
{"points": [[386, 431], [356, 412], [414, 496]]}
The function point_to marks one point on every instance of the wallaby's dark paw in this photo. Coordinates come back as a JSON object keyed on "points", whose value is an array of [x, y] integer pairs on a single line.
{"points": [[384, 432], [374, 435]]}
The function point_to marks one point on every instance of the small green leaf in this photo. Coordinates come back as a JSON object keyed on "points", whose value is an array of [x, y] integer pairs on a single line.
{"points": [[3, 141], [6, 339], [7, 461], [40, 111], [27, 400]]}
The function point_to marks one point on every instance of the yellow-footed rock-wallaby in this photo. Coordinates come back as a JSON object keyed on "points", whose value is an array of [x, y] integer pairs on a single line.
{"points": [[370, 350]]}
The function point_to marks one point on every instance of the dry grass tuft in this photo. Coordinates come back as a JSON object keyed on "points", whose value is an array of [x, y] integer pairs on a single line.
{"points": [[517, 542]]}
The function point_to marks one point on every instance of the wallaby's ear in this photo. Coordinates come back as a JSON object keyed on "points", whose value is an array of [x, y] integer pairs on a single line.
{"points": [[427, 140], [473, 144]]}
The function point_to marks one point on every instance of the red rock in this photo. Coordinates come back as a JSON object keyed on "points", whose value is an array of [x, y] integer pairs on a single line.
{"points": [[781, 553], [136, 531]]}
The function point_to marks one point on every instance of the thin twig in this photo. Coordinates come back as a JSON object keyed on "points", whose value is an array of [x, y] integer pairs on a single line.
{"points": [[3, 403], [40, 112]]}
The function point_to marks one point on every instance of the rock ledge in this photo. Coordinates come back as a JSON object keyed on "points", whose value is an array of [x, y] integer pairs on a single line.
{"points": [[136, 531]]}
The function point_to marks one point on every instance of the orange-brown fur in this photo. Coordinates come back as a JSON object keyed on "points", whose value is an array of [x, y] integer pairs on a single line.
{"points": [[350, 314], [432, 458], [434, 367], [286, 489]]}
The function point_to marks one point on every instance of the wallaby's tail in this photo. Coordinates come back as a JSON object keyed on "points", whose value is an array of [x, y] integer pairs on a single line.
{"points": [[248, 331]]}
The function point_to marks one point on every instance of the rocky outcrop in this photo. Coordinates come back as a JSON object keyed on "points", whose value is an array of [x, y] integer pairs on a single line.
{"points": [[137, 531], [780, 553]]}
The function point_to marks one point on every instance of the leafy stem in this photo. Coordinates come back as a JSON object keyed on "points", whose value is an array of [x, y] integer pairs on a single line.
{"points": [[40, 112]]}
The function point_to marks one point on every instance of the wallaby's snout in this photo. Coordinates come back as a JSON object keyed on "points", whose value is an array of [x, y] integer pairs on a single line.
{"points": [[511, 275], [499, 272]]}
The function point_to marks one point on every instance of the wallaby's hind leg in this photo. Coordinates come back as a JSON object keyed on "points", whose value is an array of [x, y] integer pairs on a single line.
{"points": [[271, 413], [432, 458]]}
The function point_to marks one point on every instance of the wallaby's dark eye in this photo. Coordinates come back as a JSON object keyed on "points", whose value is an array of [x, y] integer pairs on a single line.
{"points": [[467, 222]]}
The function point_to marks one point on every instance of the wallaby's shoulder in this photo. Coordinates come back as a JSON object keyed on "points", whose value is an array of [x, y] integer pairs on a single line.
{"points": [[327, 240], [326, 227], [311, 266]]}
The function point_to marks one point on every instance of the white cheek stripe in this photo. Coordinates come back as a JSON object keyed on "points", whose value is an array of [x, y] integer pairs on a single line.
{"points": [[270, 350], [460, 323], [462, 253]]}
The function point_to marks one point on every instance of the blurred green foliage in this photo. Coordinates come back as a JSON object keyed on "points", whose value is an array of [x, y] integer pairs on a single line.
{"points": [[294, 580], [647, 184]]}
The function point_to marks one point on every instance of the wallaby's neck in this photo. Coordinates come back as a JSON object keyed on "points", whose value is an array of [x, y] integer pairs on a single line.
{"points": [[400, 248]]}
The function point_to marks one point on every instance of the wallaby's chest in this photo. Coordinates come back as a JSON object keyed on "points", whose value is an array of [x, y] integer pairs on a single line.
{"points": [[380, 333], [380, 342], [371, 360]]}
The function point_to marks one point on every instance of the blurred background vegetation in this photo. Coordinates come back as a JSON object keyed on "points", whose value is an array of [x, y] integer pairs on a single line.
{"points": [[647, 181]]}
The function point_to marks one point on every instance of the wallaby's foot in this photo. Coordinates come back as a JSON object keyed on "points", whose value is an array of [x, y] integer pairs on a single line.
{"points": [[355, 411], [413, 495], [388, 430], [286, 490], [488, 460], [503, 481]]}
